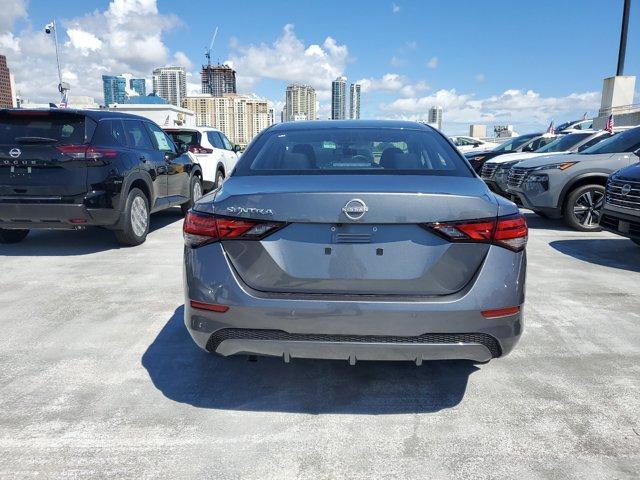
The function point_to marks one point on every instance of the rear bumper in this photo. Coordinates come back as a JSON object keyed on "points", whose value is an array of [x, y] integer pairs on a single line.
{"points": [[354, 328], [54, 216]]}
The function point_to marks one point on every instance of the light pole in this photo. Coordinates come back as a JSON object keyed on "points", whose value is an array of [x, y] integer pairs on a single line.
{"points": [[63, 87], [623, 37]]}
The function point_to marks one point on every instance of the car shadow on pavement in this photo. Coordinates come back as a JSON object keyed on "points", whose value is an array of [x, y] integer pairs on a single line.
{"points": [[609, 252], [535, 221], [52, 243], [184, 373]]}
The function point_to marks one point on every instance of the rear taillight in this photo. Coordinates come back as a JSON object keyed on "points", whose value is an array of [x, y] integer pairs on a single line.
{"points": [[202, 228], [510, 232], [199, 149], [86, 152]]}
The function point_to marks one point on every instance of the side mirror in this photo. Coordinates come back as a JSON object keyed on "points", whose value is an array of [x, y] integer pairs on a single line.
{"points": [[183, 148], [236, 148]]}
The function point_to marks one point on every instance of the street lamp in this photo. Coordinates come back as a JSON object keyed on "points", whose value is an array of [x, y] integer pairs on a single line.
{"points": [[63, 87]]}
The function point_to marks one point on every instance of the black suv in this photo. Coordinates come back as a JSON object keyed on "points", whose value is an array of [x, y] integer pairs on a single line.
{"points": [[75, 168], [621, 209]]}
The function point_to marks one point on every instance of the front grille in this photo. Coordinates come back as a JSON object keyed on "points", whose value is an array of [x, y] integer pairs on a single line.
{"points": [[278, 335], [516, 177], [612, 223], [624, 193], [488, 170]]}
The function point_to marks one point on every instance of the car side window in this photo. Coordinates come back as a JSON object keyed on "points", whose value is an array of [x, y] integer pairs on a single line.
{"points": [[110, 133], [593, 141], [161, 140], [215, 140], [136, 134], [226, 142]]}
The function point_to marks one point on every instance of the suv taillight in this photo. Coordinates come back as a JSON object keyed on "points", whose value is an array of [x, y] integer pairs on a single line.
{"points": [[509, 232], [199, 149], [86, 152], [202, 228]]}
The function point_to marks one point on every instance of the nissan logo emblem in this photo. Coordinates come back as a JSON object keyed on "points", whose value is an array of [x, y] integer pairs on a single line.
{"points": [[355, 209], [15, 152], [626, 189]]}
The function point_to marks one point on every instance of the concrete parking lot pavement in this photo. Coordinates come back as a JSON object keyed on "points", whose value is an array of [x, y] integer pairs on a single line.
{"points": [[100, 379]]}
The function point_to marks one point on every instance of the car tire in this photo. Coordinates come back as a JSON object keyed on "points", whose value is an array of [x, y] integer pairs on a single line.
{"points": [[12, 236], [582, 208], [219, 179], [136, 219], [195, 193]]}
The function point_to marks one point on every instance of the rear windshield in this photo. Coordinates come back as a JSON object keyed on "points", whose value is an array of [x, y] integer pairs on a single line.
{"points": [[514, 143], [564, 143], [628, 141], [185, 137], [43, 127], [332, 151]]}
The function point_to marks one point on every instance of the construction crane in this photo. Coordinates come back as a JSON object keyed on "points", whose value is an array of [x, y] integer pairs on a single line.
{"points": [[207, 52]]}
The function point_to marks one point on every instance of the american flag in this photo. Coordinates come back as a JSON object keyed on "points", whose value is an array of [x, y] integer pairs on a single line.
{"points": [[609, 126], [166, 122], [551, 130], [64, 103]]}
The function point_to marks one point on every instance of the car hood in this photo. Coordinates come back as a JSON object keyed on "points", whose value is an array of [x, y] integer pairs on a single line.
{"points": [[632, 172], [511, 157], [565, 157]]}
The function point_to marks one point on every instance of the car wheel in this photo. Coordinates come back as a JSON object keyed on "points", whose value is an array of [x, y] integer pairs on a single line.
{"points": [[582, 208], [219, 179], [136, 219], [195, 193], [12, 236]]}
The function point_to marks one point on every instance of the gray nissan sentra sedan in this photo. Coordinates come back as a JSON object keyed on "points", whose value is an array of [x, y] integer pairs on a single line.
{"points": [[354, 240]]}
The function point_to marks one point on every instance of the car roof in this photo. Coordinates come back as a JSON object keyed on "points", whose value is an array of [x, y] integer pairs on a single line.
{"points": [[339, 124], [93, 114], [192, 129]]}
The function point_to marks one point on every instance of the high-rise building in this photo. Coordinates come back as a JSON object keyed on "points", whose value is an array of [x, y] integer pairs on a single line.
{"points": [[354, 106], [272, 118], [170, 83], [477, 131], [299, 103], [435, 116], [114, 88], [6, 93], [138, 85], [338, 98], [218, 79], [240, 117]]}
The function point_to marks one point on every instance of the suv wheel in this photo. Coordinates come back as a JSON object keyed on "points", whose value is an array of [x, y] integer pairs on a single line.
{"points": [[219, 179], [195, 193], [582, 208], [12, 236], [136, 219]]}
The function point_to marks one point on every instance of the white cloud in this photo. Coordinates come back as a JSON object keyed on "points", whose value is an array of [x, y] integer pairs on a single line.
{"points": [[11, 11], [432, 62], [289, 59], [397, 61], [125, 37], [180, 59], [479, 77], [393, 82], [395, 8], [512, 106]]}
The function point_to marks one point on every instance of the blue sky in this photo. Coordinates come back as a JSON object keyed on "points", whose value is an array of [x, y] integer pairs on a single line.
{"points": [[485, 62]]}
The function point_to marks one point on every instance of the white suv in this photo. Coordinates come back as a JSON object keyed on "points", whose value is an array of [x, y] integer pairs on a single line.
{"points": [[211, 149], [471, 144]]}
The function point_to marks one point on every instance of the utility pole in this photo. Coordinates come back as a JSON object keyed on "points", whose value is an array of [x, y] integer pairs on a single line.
{"points": [[623, 38], [63, 87]]}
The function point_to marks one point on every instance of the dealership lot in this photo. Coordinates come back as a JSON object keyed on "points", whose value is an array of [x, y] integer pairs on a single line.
{"points": [[100, 379]]}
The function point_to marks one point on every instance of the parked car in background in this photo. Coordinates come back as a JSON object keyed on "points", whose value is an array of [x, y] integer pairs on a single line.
{"points": [[572, 186], [68, 169], [211, 149], [621, 210], [323, 245], [574, 126], [495, 172], [524, 143], [471, 144]]}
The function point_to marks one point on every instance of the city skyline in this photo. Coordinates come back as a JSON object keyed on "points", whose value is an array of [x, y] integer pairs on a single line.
{"points": [[402, 75]]}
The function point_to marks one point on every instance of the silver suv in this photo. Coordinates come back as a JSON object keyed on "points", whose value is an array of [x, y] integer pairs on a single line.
{"points": [[572, 186]]}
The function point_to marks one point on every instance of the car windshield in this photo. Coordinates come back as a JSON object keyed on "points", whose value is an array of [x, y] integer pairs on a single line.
{"points": [[514, 143], [330, 151], [628, 141], [564, 143], [41, 127]]}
